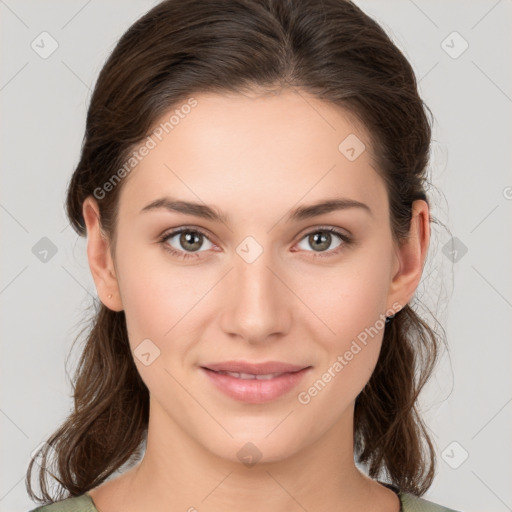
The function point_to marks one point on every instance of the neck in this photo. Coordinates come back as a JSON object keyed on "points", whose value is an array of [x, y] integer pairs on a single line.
{"points": [[177, 473]]}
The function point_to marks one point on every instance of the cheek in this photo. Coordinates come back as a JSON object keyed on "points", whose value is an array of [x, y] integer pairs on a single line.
{"points": [[165, 303], [352, 299], [349, 355], [155, 293], [352, 308]]}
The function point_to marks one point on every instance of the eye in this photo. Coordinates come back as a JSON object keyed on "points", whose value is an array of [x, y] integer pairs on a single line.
{"points": [[321, 239], [189, 239]]}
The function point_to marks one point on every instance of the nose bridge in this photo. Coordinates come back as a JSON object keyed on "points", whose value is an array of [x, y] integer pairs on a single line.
{"points": [[255, 281], [257, 306], [254, 278]]}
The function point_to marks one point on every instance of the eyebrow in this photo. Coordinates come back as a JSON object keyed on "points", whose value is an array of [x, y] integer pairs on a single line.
{"points": [[207, 212]]}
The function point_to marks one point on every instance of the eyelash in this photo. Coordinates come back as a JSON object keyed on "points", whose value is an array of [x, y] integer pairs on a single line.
{"points": [[347, 240]]}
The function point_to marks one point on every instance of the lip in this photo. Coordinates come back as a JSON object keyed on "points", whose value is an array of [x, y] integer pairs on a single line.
{"points": [[255, 391], [254, 368]]}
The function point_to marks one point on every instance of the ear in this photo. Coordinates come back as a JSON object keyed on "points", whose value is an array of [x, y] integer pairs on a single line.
{"points": [[100, 259], [411, 256]]}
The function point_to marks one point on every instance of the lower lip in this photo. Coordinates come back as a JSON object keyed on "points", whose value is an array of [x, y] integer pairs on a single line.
{"points": [[255, 391]]}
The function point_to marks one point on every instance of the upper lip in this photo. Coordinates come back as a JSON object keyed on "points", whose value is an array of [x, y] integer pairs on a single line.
{"points": [[254, 368]]}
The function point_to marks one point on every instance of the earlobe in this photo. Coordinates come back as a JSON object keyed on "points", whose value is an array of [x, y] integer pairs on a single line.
{"points": [[411, 256], [100, 258]]}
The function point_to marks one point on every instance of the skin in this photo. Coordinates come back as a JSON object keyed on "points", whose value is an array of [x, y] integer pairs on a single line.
{"points": [[255, 158]]}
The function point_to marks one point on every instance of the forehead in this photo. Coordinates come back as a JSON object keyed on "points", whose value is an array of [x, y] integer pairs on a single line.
{"points": [[270, 149]]}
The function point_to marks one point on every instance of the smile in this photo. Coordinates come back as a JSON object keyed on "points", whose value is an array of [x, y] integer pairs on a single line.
{"points": [[251, 375], [254, 388]]}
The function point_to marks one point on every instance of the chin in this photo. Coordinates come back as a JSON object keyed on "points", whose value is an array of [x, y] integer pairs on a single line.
{"points": [[250, 450]]}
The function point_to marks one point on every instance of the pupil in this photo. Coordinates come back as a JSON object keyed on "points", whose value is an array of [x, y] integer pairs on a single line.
{"points": [[322, 239], [188, 239]]}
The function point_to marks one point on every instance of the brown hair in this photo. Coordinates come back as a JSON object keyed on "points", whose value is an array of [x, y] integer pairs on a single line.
{"points": [[330, 49]]}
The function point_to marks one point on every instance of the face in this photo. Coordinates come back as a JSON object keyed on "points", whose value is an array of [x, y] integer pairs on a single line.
{"points": [[260, 284]]}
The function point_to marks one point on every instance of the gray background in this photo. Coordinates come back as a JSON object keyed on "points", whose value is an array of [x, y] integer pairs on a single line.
{"points": [[467, 281]]}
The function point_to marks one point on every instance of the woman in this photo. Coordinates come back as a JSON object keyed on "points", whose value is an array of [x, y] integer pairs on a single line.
{"points": [[252, 186]]}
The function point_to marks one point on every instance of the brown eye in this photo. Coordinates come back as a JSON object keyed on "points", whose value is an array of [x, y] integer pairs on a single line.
{"points": [[190, 240], [187, 241], [322, 239]]}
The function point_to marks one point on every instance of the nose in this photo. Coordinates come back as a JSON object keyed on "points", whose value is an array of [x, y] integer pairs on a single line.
{"points": [[257, 304]]}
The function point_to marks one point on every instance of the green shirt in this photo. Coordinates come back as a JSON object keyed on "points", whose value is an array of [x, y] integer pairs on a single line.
{"points": [[84, 503]]}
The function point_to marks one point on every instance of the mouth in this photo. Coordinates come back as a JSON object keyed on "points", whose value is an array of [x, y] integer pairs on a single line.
{"points": [[264, 376], [254, 383], [245, 367]]}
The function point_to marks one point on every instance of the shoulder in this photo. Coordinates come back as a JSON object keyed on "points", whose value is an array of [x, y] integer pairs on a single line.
{"points": [[82, 503], [411, 503]]}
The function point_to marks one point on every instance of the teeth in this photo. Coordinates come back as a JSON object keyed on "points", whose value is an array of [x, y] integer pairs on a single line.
{"points": [[237, 375]]}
